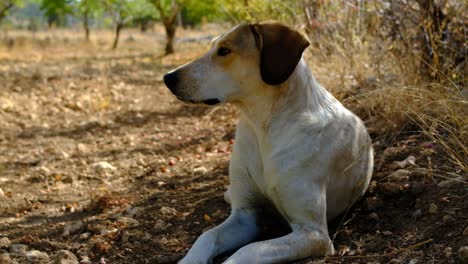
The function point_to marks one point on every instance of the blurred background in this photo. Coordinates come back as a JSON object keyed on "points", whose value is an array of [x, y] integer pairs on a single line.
{"points": [[100, 164]]}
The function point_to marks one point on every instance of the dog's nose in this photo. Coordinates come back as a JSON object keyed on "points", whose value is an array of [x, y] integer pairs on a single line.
{"points": [[171, 79]]}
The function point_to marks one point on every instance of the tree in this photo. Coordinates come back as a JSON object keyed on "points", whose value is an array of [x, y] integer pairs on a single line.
{"points": [[125, 11], [56, 10], [168, 11], [6, 6], [87, 9]]}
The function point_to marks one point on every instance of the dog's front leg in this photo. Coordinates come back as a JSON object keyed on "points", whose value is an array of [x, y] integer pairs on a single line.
{"points": [[239, 229], [304, 241]]}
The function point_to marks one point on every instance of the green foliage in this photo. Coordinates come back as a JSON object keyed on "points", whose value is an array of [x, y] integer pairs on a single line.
{"points": [[195, 11], [7, 5], [259, 10], [57, 7]]}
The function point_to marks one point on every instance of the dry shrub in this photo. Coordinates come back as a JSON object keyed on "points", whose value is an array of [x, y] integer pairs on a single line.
{"points": [[399, 64]]}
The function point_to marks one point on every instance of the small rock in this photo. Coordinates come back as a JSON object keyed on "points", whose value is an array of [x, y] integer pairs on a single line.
{"points": [[417, 213], [44, 171], [447, 218], [5, 259], [127, 221], [413, 261], [37, 256], [448, 252], [85, 235], [387, 233], [166, 210], [125, 236], [373, 216], [71, 228], [103, 166], [19, 249], [4, 242], [463, 253], [409, 161], [65, 257], [372, 203], [81, 148], [160, 225], [85, 260], [399, 175], [465, 232], [200, 170], [433, 208], [133, 211]]}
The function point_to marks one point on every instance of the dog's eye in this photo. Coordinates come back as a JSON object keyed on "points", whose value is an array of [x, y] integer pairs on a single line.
{"points": [[223, 51]]}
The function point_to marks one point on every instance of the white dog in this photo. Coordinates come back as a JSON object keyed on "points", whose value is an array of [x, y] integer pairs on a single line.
{"points": [[298, 150]]}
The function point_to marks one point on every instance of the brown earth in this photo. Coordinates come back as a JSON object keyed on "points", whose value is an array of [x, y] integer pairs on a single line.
{"points": [[96, 157]]}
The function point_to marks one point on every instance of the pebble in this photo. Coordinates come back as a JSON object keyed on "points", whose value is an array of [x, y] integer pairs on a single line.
{"points": [[166, 210], [85, 260], [125, 236], [44, 171], [465, 232], [372, 203], [409, 161], [417, 213], [65, 257], [447, 218], [448, 252], [160, 225], [37, 256], [85, 235], [399, 175], [413, 261], [4, 242], [103, 166], [5, 259], [200, 170], [127, 221], [463, 253], [19, 249], [71, 228], [374, 216]]}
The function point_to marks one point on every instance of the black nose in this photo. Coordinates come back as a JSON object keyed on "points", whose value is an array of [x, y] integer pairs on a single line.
{"points": [[171, 79]]}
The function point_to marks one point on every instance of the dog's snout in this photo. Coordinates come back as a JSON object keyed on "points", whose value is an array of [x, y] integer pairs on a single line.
{"points": [[171, 79]]}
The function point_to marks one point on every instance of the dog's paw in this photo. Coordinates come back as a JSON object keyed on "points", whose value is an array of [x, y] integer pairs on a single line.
{"points": [[187, 260]]}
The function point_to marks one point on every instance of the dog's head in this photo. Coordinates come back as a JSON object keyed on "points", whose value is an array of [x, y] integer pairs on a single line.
{"points": [[245, 58]]}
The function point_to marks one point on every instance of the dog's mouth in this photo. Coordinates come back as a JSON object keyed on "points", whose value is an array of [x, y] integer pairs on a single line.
{"points": [[212, 101]]}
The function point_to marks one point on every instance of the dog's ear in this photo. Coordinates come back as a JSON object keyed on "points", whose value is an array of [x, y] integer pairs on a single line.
{"points": [[280, 48]]}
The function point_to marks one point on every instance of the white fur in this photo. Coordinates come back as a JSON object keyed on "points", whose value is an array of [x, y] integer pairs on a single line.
{"points": [[298, 150]]}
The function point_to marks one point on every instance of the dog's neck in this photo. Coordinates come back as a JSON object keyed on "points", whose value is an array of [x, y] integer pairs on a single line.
{"points": [[301, 96]]}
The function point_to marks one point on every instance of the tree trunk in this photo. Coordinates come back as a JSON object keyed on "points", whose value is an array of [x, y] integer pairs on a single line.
{"points": [[170, 27], [86, 25], [117, 34]]}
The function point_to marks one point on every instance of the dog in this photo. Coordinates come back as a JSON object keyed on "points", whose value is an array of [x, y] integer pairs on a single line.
{"points": [[297, 151]]}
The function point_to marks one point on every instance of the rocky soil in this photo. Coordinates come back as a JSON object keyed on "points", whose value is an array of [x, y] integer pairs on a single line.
{"points": [[100, 164]]}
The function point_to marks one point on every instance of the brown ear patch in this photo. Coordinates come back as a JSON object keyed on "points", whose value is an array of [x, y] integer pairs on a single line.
{"points": [[281, 49]]}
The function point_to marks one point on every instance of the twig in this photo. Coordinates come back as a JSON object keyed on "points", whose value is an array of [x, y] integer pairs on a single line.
{"points": [[383, 255]]}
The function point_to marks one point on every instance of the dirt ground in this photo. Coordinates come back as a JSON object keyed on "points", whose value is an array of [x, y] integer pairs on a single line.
{"points": [[97, 158]]}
